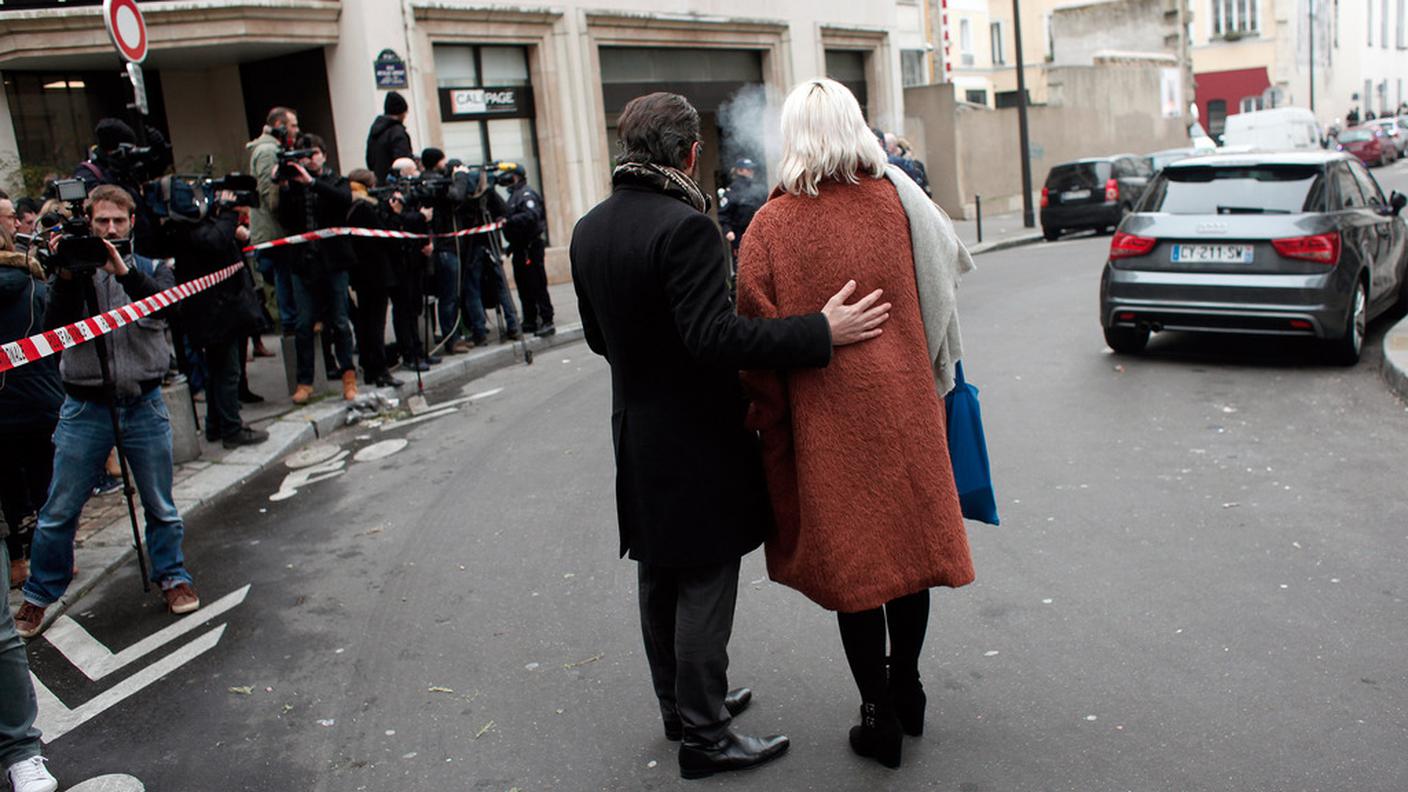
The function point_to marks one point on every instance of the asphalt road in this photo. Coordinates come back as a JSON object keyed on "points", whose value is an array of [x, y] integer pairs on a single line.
{"points": [[1198, 585]]}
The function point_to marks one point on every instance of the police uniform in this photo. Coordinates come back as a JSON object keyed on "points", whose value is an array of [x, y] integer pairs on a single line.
{"points": [[741, 201], [526, 223]]}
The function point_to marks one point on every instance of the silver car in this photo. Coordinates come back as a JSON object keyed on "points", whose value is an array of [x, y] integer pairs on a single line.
{"points": [[1296, 244]]}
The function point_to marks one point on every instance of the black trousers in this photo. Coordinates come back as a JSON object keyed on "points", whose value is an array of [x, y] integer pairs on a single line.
{"points": [[25, 469], [686, 617], [406, 307], [530, 273], [222, 389], [906, 619], [370, 327]]}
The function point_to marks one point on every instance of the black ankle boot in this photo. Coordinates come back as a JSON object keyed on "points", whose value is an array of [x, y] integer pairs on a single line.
{"points": [[909, 701], [878, 735]]}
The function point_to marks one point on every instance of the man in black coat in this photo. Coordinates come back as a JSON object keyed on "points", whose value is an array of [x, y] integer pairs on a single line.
{"points": [[388, 140], [650, 268]]}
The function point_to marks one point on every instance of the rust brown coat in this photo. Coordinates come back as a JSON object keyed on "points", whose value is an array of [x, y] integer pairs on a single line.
{"points": [[856, 456]]}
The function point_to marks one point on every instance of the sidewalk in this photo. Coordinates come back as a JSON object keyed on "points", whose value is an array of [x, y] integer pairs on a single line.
{"points": [[999, 233], [104, 539], [1396, 358]]}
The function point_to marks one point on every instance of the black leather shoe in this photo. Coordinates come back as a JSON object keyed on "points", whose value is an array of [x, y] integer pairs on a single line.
{"points": [[546, 330], [248, 396], [878, 736], [735, 702], [733, 752], [387, 381], [246, 436]]}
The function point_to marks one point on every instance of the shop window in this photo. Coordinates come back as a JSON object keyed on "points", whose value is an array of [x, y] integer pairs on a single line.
{"points": [[1004, 99], [912, 71]]}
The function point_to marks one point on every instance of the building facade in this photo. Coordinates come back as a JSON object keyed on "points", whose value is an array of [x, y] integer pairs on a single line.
{"points": [[540, 84]]}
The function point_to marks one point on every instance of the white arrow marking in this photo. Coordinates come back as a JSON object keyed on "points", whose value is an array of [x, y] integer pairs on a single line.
{"points": [[56, 720], [437, 413], [94, 659], [310, 475]]}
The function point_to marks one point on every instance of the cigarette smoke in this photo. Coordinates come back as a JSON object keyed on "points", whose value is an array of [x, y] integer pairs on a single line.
{"points": [[751, 122]]}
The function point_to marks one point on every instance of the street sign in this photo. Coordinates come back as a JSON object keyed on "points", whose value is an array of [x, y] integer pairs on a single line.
{"points": [[139, 88], [126, 28], [390, 70]]}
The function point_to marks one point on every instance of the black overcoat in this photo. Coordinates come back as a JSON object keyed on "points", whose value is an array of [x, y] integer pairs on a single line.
{"points": [[650, 273]]}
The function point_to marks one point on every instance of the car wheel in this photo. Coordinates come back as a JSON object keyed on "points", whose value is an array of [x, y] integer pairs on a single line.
{"points": [[1127, 340], [1051, 234], [1345, 351]]}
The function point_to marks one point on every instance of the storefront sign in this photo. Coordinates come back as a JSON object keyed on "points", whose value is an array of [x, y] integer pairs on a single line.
{"points": [[390, 71], [464, 104]]}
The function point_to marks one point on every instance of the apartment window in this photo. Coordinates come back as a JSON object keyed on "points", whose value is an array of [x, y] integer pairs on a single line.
{"points": [[1235, 17], [1401, 42], [965, 41], [999, 57], [912, 68], [1369, 19], [1050, 37], [1251, 104], [1368, 94], [975, 97], [1383, 24]]}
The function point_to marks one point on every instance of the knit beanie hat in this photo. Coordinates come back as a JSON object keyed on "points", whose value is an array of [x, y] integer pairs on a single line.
{"points": [[395, 104]]}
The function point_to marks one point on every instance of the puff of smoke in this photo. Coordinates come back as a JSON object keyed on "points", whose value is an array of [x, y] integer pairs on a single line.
{"points": [[751, 124]]}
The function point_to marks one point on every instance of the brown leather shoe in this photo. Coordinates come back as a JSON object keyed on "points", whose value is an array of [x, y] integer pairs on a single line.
{"points": [[460, 348], [349, 386], [302, 394], [19, 572], [181, 598], [28, 620]]}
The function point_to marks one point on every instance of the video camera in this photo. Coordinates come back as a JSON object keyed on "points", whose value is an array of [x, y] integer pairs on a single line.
{"points": [[79, 251], [190, 198], [287, 159], [423, 190]]}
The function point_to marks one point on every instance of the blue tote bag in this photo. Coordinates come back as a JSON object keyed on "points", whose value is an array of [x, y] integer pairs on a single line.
{"points": [[968, 449]]}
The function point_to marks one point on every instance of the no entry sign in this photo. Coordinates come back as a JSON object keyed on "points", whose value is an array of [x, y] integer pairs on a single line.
{"points": [[127, 29]]}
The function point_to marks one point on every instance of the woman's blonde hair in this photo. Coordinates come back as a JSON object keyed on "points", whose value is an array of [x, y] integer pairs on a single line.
{"points": [[824, 136]]}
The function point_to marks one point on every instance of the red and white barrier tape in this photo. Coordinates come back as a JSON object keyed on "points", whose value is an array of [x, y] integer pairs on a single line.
{"points": [[50, 342]]}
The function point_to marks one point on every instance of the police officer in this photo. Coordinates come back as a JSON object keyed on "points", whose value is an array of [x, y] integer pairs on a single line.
{"points": [[740, 202], [525, 225]]}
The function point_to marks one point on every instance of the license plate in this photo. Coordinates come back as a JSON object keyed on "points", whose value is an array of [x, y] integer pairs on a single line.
{"points": [[1212, 254], [1074, 195]]}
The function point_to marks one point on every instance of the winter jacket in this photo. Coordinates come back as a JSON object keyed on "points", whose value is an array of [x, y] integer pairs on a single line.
{"points": [[31, 394], [526, 218], [739, 204], [229, 310], [264, 222], [857, 529], [138, 353], [323, 203], [387, 141]]}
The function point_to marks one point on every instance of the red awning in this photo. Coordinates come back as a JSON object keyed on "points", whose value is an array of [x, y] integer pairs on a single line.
{"points": [[1230, 87]]}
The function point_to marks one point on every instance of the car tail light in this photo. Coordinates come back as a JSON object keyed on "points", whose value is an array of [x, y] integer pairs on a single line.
{"points": [[1112, 190], [1128, 245], [1321, 248], [1045, 197]]}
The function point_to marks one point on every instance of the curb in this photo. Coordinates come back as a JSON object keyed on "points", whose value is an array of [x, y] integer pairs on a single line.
{"points": [[110, 547], [1395, 353], [1004, 244]]}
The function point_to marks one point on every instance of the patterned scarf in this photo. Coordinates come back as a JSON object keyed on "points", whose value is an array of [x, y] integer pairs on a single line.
{"points": [[670, 181]]}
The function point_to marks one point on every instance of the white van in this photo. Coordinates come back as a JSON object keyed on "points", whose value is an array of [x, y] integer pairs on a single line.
{"points": [[1279, 129]]}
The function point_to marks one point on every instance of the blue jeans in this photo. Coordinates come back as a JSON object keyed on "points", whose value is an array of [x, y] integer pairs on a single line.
{"points": [[19, 740], [324, 297], [81, 445], [457, 292], [273, 265]]}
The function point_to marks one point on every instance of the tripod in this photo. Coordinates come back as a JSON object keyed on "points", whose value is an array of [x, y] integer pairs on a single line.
{"points": [[90, 300]]}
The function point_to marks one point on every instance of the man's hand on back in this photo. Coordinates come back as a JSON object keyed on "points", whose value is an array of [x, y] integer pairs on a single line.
{"points": [[859, 321]]}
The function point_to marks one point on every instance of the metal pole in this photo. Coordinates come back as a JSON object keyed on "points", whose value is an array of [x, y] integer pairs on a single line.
{"points": [[1028, 212], [978, 199]]}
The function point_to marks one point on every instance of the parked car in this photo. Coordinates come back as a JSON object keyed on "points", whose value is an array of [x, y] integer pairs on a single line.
{"points": [[1369, 144], [1395, 132], [1278, 129], [1092, 193], [1292, 244]]}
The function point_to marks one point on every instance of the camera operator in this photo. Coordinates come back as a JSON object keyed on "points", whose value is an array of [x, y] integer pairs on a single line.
{"points": [[457, 280], [137, 359], [116, 159], [415, 264], [218, 320], [524, 228], [483, 252], [313, 197], [275, 264], [372, 277], [26, 219]]}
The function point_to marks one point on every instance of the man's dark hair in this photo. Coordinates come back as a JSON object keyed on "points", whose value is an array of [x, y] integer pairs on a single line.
{"points": [[308, 140], [431, 157], [26, 205], [110, 193], [278, 116], [658, 129]]}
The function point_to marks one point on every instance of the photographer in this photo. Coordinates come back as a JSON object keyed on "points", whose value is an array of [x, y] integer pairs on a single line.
{"points": [[280, 132], [524, 228], [313, 196], [457, 280], [137, 359], [372, 277], [218, 320], [29, 404], [414, 264], [482, 252], [116, 159]]}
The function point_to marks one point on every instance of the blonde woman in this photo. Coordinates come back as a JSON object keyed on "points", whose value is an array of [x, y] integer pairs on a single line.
{"points": [[867, 514]]}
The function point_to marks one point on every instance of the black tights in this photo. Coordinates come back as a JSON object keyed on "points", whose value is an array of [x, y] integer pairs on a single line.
{"points": [[863, 636]]}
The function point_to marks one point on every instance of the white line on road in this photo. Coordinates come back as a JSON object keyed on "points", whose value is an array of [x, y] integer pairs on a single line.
{"points": [[418, 419], [56, 720], [96, 661]]}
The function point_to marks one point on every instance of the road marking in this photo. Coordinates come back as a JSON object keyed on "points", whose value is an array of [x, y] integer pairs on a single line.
{"points": [[381, 450], [118, 782], [96, 661], [309, 475], [56, 720], [438, 413]]}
